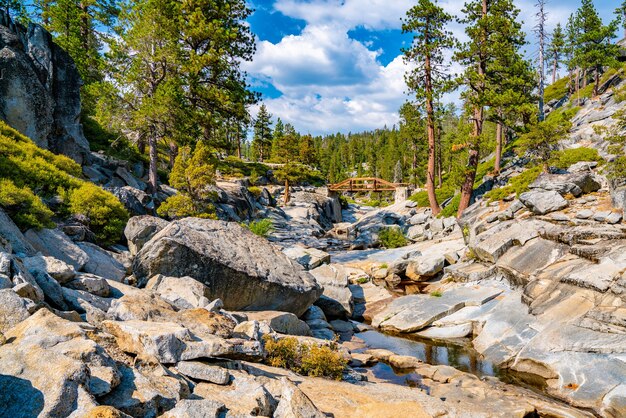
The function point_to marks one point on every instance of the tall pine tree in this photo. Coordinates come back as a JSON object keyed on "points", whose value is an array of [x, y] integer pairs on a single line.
{"points": [[262, 140], [430, 77], [556, 50]]}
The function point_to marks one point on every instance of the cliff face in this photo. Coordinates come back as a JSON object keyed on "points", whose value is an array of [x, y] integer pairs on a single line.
{"points": [[40, 89]]}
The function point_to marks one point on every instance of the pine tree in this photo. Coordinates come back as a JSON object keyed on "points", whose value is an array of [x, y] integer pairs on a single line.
{"points": [[144, 63], [277, 140], [262, 133], [412, 132], [556, 50], [572, 30], [596, 47], [307, 152], [540, 29], [429, 79], [489, 26]]}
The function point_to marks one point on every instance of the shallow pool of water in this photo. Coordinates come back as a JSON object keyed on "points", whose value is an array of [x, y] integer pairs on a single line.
{"points": [[460, 356]]}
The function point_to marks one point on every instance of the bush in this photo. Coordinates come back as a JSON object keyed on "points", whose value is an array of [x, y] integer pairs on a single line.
{"points": [[311, 360], [24, 207], [30, 173], [391, 238], [565, 158], [107, 216], [262, 227], [256, 191]]}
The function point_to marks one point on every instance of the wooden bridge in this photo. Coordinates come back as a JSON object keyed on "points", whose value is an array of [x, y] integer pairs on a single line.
{"points": [[365, 184]]}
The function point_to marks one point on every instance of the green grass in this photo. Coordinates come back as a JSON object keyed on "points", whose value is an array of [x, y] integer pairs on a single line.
{"points": [[563, 159], [443, 193], [436, 293], [117, 146], [256, 191]]}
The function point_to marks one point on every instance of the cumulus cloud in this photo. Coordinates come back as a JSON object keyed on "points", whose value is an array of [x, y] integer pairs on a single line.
{"points": [[329, 81]]}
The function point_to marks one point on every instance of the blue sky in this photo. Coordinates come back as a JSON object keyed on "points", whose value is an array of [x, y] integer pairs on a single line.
{"points": [[335, 65]]}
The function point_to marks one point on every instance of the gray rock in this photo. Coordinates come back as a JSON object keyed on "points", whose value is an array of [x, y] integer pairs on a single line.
{"points": [[200, 371], [542, 202], [140, 229], [59, 270], [560, 217], [194, 408], [614, 218], [601, 216], [242, 269], [425, 267], [182, 292], [90, 283], [314, 313], [54, 243], [252, 330], [215, 306], [294, 403], [102, 263], [415, 232], [584, 214], [12, 309], [323, 334], [283, 322], [51, 289], [516, 206], [337, 300], [79, 300], [419, 219], [309, 258], [136, 202], [582, 166], [14, 237], [342, 326], [574, 183], [40, 90]]}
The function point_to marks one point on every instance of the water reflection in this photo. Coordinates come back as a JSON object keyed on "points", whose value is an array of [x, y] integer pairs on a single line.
{"points": [[461, 357]]}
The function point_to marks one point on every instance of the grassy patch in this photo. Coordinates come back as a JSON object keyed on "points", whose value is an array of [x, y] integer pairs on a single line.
{"points": [[436, 293], [563, 159], [443, 193], [256, 191]]}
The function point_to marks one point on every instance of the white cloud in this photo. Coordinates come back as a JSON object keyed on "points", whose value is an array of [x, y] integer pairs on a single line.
{"points": [[329, 81]]}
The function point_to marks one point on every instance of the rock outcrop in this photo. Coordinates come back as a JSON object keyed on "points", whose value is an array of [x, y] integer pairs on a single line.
{"points": [[40, 89], [243, 270]]}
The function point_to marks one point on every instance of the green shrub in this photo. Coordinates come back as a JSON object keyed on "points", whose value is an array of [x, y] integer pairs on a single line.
{"points": [[107, 216], [115, 145], [436, 293], [375, 203], [182, 206], [262, 227], [256, 191], [391, 238], [311, 360], [565, 158], [323, 361], [24, 207], [30, 172]]}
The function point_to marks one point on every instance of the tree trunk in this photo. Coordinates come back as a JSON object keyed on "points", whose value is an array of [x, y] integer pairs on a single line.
{"points": [[554, 63], [474, 152], [430, 126], [141, 145], [173, 153], [596, 84], [152, 170], [496, 168], [584, 78], [546, 168], [414, 165], [287, 196], [238, 142]]}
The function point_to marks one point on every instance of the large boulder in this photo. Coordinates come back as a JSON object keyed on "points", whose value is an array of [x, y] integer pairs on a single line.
{"points": [[40, 89], [182, 292], [575, 183], [243, 270], [541, 202], [13, 309], [141, 229]]}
